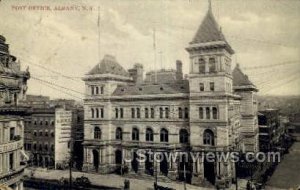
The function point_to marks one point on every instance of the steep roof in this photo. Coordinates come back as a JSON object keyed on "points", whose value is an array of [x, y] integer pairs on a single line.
{"points": [[109, 65], [148, 89], [240, 79], [209, 30]]}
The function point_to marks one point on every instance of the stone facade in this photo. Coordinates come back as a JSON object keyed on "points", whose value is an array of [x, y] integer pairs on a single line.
{"points": [[13, 86], [166, 113]]}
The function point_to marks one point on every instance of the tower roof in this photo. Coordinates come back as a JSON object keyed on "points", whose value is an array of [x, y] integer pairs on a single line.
{"points": [[209, 31], [240, 80], [109, 65]]}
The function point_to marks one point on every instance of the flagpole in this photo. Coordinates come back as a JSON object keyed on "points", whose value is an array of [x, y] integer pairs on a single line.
{"points": [[99, 38]]}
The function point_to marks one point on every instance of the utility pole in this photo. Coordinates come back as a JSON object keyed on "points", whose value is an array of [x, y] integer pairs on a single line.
{"points": [[184, 176], [70, 164]]}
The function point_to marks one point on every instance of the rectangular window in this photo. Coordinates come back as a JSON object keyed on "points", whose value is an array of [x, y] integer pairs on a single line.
{"points": [[167, 112], [161, 112], [121, 112], [201, 113], [152, 112], [132, 113], [102, 112], [138, 113], [117, 112], [11, 161], [146, 113], [207, 113], [11, 133], [201, 86], [101, 89], [92, 90], [212, 86]]}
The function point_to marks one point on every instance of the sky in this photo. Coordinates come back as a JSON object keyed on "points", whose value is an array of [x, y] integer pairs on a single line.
{"points": [[61, 46]]}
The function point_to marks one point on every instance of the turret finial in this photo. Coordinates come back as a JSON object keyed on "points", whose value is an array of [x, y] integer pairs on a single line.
{"points": [[209, 5]]}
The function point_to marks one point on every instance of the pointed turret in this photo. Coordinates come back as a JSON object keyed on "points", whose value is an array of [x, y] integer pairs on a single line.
{"points": [[209, 34]]}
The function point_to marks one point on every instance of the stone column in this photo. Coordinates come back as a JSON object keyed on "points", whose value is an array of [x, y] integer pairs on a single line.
{"points": [[141, 169], [173, 170], [197, 177]]}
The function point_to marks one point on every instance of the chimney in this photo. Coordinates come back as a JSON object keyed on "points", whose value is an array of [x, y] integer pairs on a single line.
{"points": [[179, 70], [137, 73]]}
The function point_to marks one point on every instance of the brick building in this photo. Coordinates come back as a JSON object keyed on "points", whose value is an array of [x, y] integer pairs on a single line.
{"points": [[207, 111], [52, 129]]}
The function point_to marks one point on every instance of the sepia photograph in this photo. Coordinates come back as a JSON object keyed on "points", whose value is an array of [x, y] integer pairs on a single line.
{"points": [[149, 94]]}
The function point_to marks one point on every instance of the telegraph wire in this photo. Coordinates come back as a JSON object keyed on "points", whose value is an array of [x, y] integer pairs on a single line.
{"points": [[272, 65], [50, 83], [60, 90]]}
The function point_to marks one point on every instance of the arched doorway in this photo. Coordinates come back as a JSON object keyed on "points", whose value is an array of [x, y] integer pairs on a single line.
{"points": [[149, 164], [209, 171], [164, 165], [96, 160], [118, 160], [135, 163]]}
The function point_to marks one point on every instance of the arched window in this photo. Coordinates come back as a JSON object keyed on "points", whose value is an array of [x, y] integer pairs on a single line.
{"points": [[146, 113], [212, 64], [164, 135], [215, 113], [93, 112], [46, 147], [46, 123], [201, 65], [34, 146], [97, 133], [183, 136], [180, 112], [207, 110], [117, 112], [149, 134], [135, 134], [119, 134], [208, 137], [41, 122], [166, 112], [40, 147], [161, 112], [201, 113], [52, 123], [186, 113], [97, 113]]}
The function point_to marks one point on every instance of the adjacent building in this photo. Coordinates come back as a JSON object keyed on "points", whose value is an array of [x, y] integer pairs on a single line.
{"points": [[13, 86], [53, 130], [211, 110], [271, 133]]}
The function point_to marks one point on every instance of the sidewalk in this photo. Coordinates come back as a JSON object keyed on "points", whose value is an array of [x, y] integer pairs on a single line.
{"points": [[111, 180]]}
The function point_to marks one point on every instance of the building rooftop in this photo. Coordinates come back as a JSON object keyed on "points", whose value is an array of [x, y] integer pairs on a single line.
{"points": [[240, 79], [109, 65], [210, 31], [150, 89]]}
